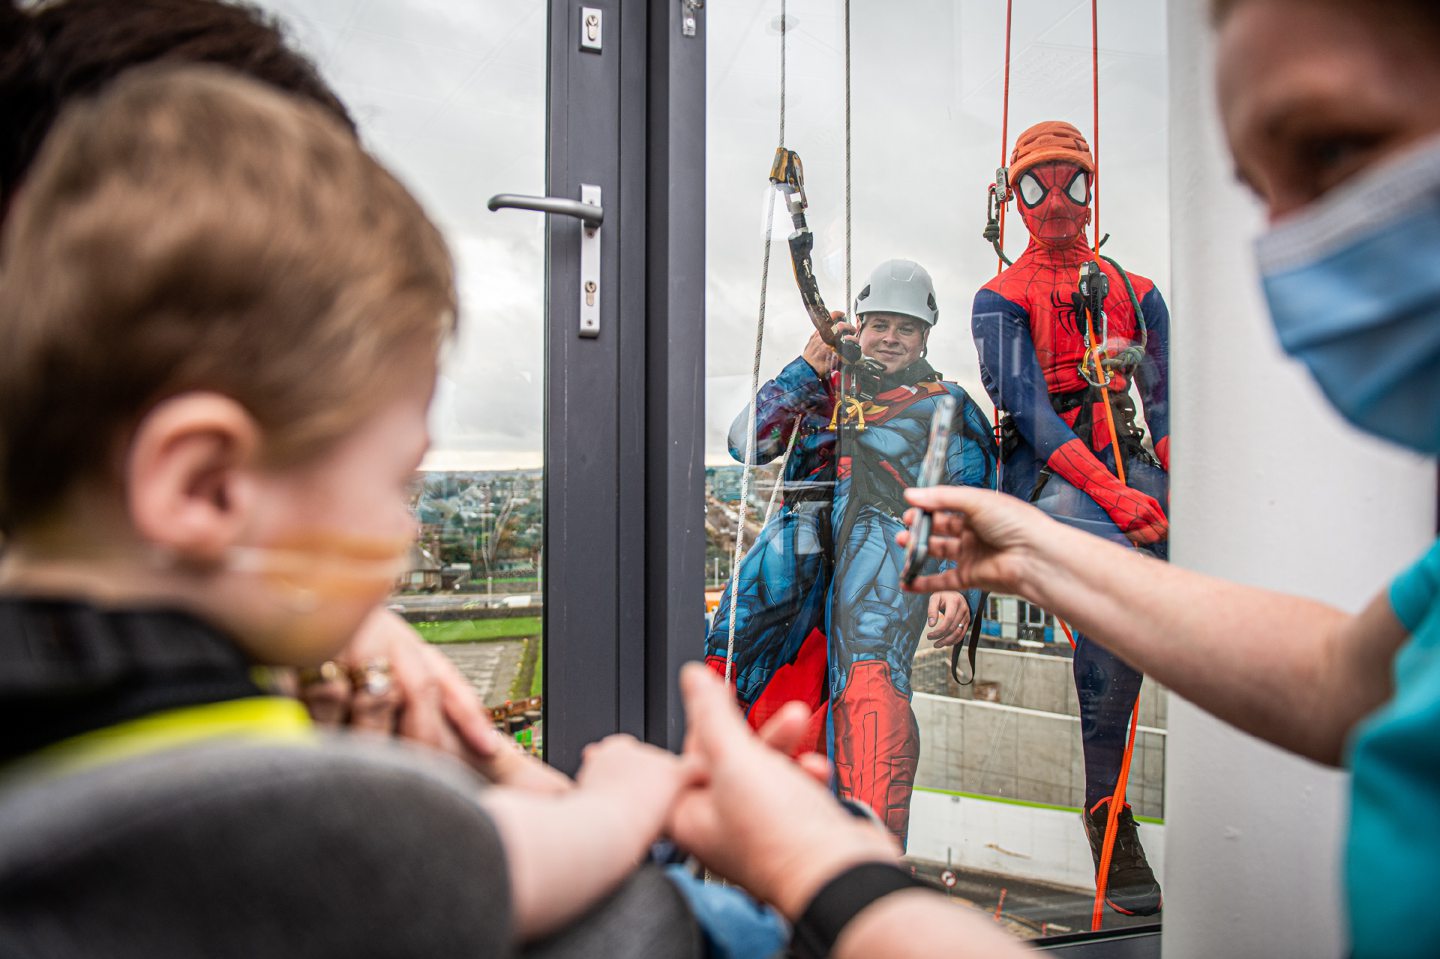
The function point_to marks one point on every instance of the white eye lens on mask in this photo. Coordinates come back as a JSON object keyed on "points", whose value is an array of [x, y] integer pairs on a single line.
{"points": [[1079, 188], [1353, 285], [1031, 192]]}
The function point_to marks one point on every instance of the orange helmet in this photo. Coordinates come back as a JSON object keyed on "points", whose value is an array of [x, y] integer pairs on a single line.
{"points": [[1047, 141]]}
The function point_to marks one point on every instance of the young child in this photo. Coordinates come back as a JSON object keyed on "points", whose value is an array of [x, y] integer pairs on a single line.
{"points": [[221, 320]]}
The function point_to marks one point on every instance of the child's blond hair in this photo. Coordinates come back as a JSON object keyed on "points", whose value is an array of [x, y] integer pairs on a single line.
{"points": [[193, 230]]}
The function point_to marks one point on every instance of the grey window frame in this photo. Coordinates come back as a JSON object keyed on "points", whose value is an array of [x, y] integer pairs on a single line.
{"points": [[624, 424]]}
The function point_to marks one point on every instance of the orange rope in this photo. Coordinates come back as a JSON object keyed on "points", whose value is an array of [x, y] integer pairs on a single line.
{"points": [[1114, 437], [1097, 358], [1117, 799], [1005, 136], [1098, 354], [1095, 103], [1004, 155]]}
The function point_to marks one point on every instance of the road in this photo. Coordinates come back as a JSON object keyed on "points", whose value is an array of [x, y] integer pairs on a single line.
{"points": [[421, 602], [1029, 909], [490, 667]]}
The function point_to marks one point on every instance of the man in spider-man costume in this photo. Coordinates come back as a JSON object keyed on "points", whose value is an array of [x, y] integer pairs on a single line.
{"points": [[827, 564], [1052, 371]]}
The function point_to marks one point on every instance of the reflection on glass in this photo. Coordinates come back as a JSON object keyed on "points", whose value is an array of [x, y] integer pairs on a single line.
{"points": [[856, 434], [450, 94], [1003, 767]]}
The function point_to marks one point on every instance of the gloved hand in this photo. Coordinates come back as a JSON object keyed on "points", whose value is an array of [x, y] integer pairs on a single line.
{"points": [[1162, 452], [1138, 515], [1125, 361]]}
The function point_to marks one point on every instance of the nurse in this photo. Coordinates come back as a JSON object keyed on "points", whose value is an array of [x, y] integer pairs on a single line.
{"points": [[1332, 111]]}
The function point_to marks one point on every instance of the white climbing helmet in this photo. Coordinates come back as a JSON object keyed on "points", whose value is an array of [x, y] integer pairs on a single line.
{"points": [[902, 287]]}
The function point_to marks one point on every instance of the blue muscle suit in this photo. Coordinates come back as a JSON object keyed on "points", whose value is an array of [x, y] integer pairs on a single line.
{"points": [[827, 562]]}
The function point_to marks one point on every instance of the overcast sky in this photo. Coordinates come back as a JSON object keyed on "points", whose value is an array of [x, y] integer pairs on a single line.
{"points": [[451, 94]]}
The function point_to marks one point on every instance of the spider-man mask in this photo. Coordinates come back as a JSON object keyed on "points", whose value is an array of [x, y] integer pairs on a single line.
{"points": [[1054, 200]]}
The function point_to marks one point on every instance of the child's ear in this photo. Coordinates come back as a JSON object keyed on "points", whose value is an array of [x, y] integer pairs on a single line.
{"points": [[189, 479]]}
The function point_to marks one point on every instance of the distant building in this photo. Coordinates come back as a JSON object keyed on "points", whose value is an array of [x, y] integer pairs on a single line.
{"points": [[723, 482], [424, 575]]}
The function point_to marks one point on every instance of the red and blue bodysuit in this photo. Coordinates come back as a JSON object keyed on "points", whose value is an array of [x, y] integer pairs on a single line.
{"points": [[1030, 352], [827, 565], [1051, 371]]}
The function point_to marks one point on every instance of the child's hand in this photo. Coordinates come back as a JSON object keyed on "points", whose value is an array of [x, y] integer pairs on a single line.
{"points": [[756, 817], [644, 778]]}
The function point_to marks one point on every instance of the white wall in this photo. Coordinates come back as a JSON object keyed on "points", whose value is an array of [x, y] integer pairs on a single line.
{"points": [[1269, 488], [1010, 841]]}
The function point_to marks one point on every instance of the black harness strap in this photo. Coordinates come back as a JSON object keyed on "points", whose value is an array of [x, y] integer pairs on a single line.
{"points": [[972, 640]]}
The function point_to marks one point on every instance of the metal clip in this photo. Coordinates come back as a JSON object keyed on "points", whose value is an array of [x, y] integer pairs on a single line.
{"points": [[687, 13], [788, 175]]}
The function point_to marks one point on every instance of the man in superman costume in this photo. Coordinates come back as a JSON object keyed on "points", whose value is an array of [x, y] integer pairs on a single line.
{"points": [[827, 564], [1051, 371]]}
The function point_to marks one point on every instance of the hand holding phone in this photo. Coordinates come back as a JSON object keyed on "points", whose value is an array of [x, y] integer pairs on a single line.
{"points": [[932, 471]]}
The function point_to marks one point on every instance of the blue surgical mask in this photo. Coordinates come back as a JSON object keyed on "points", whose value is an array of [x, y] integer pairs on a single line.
{"points": [[1354, 290]]}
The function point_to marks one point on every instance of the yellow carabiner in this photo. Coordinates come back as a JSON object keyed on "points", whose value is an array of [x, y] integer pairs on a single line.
{"points": [[850, 405]]}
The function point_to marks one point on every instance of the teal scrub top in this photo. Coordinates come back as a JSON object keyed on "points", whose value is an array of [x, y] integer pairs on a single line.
{"points": [[1392, 871]]}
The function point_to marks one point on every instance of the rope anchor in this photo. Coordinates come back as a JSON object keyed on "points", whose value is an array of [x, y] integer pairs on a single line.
{"points": [[999, 195]]}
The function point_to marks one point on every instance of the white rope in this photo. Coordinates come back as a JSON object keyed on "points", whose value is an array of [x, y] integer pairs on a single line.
{"points": [[849, 294], [784, 42], [784, 464], [748, 467]]}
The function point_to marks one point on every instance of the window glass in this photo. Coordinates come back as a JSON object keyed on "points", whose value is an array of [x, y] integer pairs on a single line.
{"points": [[450, 94], [987, 778]]}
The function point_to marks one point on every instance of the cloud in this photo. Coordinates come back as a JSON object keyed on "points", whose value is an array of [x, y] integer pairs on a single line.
{"points": [[451, 94]]}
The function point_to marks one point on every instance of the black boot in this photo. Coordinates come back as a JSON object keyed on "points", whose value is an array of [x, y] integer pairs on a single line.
{"points": [[1131, 889]]}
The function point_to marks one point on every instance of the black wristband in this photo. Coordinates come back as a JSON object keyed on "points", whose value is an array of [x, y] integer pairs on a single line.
{"points": [[840, 900]]}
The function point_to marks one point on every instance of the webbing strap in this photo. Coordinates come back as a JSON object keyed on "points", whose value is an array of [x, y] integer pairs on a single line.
{"points": [[967, 647]]}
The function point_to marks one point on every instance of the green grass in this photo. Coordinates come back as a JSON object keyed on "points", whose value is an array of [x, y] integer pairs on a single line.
{"points": [[1021, 802], [520, 685], [479, 630], [537, 683]]}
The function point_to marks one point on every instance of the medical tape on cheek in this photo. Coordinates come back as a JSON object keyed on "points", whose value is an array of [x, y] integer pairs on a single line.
{"points": [[325, 564]]}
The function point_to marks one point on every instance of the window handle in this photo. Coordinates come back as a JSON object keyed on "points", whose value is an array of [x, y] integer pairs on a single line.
{"points": [[591, 214]]}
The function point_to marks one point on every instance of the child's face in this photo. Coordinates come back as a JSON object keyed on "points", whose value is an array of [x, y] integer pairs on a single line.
{"points": [[331, 536]]}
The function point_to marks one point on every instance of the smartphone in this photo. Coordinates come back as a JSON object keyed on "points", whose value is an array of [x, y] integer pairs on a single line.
{"points": [[932, 471]]}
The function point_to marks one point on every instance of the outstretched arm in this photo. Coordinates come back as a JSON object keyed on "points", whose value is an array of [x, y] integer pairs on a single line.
{"points": [[1293, 671], [801, 390], [567, 851], [757, 819]]}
